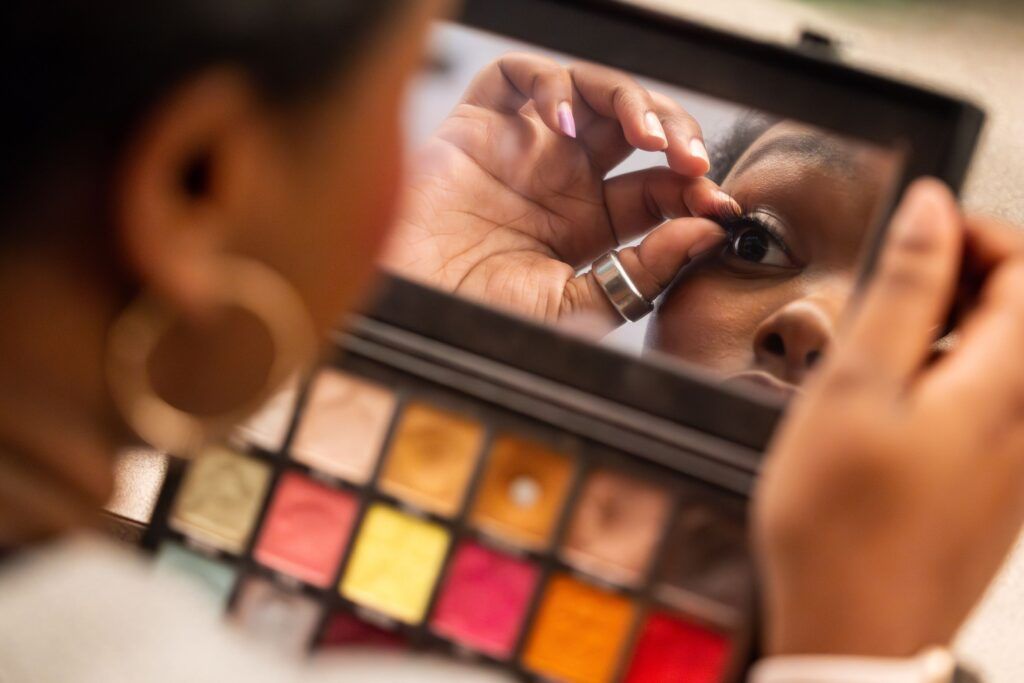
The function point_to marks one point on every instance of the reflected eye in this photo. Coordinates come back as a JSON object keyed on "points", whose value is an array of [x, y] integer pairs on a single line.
{"points": [[753, 238]]}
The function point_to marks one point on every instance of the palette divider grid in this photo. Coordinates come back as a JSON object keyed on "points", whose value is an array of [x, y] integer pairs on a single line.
{"points": [[158, 528], [305, 390], [641, 604], [586, 456]]}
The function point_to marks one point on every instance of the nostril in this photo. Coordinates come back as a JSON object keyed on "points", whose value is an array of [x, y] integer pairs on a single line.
{"points": [[773, 344], [812, 358]]}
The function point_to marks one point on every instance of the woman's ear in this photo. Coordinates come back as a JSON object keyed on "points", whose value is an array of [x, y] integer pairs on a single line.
{"points": [[182, 186]]}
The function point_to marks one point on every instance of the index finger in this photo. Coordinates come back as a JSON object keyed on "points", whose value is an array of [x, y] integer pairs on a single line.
{"points": [[891, 331], [649, 120], [514, 79]]}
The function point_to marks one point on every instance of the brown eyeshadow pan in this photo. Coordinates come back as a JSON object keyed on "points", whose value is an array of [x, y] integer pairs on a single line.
{"points": [[616, 526], [706, 567]]}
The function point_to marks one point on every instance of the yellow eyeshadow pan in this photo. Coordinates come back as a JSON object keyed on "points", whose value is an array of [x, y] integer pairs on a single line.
{"points": [[522, 492], [342, 429], [395, 563], [220, 498], [432, 456]]}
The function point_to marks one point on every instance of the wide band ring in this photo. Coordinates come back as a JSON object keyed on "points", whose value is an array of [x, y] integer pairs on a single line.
{"points": [[621, 291]]}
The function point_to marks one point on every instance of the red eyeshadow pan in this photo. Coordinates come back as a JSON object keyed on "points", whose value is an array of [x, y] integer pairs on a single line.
{"points": [[671, 650], [484, 599], [306, 529], [347, 630]]}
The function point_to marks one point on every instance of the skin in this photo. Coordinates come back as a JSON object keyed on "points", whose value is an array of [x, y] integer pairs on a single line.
{"points": [[510, 223], [274, 196], [861, 550], [778, 317]]}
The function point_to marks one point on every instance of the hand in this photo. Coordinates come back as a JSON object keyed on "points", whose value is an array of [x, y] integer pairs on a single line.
{"points": [[509, 198], [895, 487]]}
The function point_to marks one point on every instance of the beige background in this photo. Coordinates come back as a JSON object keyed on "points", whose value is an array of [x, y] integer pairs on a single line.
{"points": [[974, 49]]}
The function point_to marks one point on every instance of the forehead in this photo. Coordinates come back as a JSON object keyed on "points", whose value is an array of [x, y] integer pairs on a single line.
{"points": [[796, 142]]}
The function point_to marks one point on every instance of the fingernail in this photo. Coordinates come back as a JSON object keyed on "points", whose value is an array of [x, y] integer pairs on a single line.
{"points": [[698, 150], [654, 127], [566, 122], [913, 224], [728, 204], [705, 244]]}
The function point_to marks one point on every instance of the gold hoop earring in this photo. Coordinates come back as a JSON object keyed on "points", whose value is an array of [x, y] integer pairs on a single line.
{"points": [[249, 286]]}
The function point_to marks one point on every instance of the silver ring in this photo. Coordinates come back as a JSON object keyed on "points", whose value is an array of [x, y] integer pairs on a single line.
{"points": [[619, 288]]}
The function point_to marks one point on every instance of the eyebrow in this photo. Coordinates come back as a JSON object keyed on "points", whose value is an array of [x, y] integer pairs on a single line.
{"points": [[820, 148]]}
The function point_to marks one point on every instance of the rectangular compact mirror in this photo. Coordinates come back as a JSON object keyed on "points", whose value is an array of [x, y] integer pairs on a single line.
{"points": [[504, 208], [493, 462]]}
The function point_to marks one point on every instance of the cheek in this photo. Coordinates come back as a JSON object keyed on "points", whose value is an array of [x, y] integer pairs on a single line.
{"points": [[712, 322]]}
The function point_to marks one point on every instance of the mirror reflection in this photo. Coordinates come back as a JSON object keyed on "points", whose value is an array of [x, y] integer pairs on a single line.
{"points": [[659, 220]]}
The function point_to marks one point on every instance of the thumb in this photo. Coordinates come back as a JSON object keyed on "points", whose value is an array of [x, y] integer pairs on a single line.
{"points": [[651, 265]]}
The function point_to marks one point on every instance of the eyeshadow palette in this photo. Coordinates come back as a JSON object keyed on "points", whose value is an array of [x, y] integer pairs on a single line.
{"points": [[458, 480], [397, 504]]}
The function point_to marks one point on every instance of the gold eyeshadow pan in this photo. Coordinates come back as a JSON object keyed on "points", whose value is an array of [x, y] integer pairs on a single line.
{"points": [[471, 529]]}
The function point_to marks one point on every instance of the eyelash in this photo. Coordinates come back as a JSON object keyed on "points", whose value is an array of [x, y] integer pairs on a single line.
{"points": [[733, 224]]}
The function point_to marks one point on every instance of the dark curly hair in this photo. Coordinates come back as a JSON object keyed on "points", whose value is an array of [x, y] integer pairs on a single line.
{"points": [[77, 75], [727, 150]]}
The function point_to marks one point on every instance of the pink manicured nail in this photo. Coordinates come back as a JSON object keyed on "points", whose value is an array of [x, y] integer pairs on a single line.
{"points": [[698, 150], [654, 127], [566, 122], [705, 244]]}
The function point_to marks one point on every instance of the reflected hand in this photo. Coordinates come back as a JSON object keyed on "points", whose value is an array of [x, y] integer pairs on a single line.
{"points": [[895, 487], [509, 199]]}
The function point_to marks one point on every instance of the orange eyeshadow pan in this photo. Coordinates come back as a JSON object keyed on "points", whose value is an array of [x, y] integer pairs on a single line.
{"points": [[523, 490], [579, 633]]}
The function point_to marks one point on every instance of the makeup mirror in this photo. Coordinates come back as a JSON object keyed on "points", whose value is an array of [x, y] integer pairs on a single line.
{"points": [[511, 201]]}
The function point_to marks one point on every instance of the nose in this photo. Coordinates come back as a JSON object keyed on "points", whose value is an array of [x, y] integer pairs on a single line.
{"points": [[790, 341]]}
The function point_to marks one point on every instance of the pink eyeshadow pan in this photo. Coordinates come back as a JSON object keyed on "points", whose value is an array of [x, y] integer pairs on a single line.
{"points": [[484, 599], [306, 529]]}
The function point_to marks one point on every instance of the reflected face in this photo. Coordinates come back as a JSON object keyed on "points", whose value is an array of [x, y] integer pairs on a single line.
{"points": [[764, 308]]}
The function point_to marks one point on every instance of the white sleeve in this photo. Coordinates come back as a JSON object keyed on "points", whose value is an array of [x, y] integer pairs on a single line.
{"points": [[935, 665]]}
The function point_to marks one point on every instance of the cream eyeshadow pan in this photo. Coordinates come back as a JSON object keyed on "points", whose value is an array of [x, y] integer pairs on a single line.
{"points": [[407, 515]]}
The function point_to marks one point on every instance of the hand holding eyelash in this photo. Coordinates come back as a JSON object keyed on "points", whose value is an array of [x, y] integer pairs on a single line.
{"points": [[895, 486], [509, 199]]}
